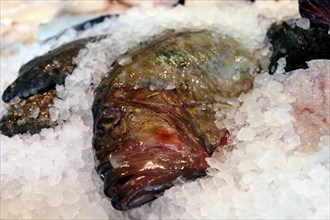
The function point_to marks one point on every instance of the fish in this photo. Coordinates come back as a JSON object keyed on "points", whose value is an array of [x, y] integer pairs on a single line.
{"points": [[32, 94], [296, 44], [153, 113], [154, 116], [317, 11]]}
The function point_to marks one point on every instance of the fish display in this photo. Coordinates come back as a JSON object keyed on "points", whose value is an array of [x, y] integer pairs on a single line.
{"points": [[154, 113]]}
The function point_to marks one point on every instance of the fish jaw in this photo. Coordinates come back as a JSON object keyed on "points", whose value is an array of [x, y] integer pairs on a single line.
{"points": [[154, 184], [139, 171], [157, 145], [147, 171]]}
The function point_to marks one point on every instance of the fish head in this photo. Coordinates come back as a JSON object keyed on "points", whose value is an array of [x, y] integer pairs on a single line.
{"points": [[144, 142]]}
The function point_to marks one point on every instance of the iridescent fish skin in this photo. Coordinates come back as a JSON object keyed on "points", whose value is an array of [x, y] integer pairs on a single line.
{"points": [[154, 117]]}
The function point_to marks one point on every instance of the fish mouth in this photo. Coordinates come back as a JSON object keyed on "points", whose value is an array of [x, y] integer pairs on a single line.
{"points": [[132, 191], [142, 180]]}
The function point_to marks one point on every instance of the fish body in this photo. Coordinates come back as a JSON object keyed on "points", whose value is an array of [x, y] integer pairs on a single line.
{"points": [[296, 45], [154, 118], [32, 94], [46, 71]]}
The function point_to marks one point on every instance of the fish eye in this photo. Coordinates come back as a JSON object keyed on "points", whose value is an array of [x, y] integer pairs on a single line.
{"points": [[107, 122], [110, 117]]}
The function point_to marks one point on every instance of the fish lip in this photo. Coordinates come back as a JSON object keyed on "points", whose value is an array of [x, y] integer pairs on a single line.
{"points": [[124, 199], [134, 193], [135, 182], [129, 189], [117, 204]]}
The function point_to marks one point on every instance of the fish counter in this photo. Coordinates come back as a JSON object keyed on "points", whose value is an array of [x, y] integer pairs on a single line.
{"points": [[168, 110]]}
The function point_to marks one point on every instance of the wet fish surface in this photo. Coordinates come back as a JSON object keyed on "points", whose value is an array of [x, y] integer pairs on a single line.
{"points": [[297, 45], [317, 11], [154, 114], [154, 118], [47, 71], [32, 94]]}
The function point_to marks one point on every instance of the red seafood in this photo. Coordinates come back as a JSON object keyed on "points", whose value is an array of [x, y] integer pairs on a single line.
{"points": [[154, 114]]}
